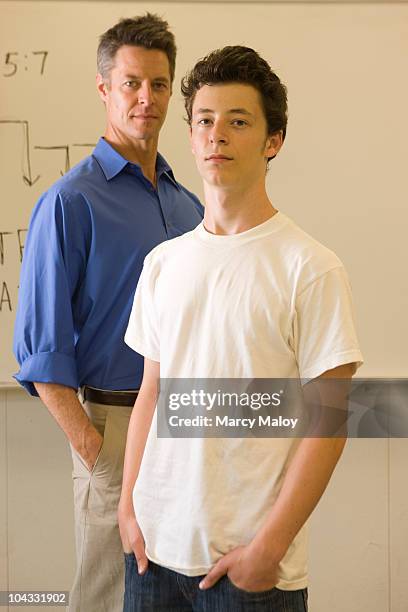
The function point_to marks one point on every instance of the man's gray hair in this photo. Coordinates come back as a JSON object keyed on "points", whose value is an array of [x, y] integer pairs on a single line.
{"points": [[149, 31]]}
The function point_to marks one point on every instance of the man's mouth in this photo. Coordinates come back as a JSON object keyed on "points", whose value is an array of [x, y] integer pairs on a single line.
{"points": [[218, 157], [145, 116]]}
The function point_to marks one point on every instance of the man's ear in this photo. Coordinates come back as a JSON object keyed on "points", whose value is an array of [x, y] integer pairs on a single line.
{"points": [[102, 87], [273, 144]]}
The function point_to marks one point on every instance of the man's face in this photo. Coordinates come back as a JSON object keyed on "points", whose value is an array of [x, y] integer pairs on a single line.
{"points": [[137, 94], [229, 136]]}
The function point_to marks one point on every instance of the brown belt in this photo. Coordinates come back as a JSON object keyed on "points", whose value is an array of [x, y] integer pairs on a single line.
{"points": [[111, 398]]}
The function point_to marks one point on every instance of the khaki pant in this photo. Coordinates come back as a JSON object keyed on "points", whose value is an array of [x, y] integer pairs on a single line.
{"points": [[99, 578]]}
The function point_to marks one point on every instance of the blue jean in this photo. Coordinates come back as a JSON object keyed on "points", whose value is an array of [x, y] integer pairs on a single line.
{"points": [[161, 589]]}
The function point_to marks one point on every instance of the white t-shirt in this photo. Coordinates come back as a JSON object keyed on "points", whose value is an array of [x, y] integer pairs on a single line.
{"points": [[270, 302]]}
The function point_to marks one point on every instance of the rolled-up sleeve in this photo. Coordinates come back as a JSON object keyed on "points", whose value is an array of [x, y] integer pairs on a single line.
{"points": [[54, 260]]}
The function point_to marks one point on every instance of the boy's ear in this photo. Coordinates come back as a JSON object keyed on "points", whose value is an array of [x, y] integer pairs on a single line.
{"points": [[273, 144]]}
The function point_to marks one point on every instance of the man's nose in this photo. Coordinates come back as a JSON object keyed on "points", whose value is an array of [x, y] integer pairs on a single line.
{"points": [[145, 94]]}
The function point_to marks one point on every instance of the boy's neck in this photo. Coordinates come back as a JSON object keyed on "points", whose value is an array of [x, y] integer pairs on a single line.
{"points": [[231, 212]]}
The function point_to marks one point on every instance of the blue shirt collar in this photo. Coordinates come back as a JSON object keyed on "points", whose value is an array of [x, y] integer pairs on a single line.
{"points": [[109, 160], [113, 162]]}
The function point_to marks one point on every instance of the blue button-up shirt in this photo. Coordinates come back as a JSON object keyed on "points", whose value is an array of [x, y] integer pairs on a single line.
{"points": [[88, 237]]}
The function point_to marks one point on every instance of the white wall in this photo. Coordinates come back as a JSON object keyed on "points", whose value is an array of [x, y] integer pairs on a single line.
{"points": [[36, 518]]}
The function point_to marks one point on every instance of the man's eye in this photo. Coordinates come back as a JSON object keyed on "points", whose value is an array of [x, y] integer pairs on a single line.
{"points": [[160, 86], [130, 83], [239, 122], [204, 121]]}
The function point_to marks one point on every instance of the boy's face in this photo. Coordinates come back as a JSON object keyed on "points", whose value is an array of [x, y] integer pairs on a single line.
{"points": [[229, 136]]}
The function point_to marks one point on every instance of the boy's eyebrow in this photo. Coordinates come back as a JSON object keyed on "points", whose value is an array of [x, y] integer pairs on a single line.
{"points": [[232, 111], [239, 111], [204, 110]]}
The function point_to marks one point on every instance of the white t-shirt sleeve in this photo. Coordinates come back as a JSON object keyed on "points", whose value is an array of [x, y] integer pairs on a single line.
{"points": [[142, 332], [324, 329]]}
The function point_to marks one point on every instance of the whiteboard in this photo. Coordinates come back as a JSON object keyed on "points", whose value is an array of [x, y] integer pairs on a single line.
{"points": [[341, 174]]}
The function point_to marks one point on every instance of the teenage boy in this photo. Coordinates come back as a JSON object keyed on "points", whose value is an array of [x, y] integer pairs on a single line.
{"points": [[210, 524]]}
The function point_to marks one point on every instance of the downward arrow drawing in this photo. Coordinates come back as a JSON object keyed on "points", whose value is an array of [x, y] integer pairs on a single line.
{"points": [[25, 160], [59, 148]]}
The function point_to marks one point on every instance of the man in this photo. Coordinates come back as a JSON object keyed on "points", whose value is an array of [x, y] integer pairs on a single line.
{"points": [[88, 237], [211, 524]]}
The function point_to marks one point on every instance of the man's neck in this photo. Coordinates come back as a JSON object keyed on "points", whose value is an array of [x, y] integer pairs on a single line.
{"points": [[232, 212], [143, 153]]}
